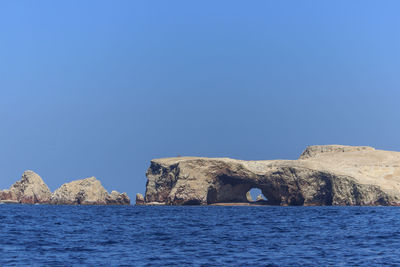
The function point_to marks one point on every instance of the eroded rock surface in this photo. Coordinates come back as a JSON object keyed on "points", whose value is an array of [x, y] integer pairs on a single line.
{"points": [[116, 198], [29, 190], [323, 175], [87, 191], [139, 199]]}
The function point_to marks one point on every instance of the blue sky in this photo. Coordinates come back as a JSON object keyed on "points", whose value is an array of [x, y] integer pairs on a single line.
{"points": [[99, 88]]}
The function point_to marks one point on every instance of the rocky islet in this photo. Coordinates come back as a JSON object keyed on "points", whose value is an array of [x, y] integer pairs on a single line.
{"points": [[31, 189], [322, 176]]}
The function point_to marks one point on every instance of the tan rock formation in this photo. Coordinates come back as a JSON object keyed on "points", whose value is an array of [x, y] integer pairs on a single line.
{"points": [[29, 190], [139, 199], [87, 191], [7, 196], [248, 197], [323, 175], [260, 198], [116, 198]]}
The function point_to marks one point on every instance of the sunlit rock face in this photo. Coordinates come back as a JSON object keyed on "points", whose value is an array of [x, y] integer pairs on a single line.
{"points": [[87, 191], [116, 198], [139, 199], [323, 175], [32, 190], [29, 190], [8, 196]]}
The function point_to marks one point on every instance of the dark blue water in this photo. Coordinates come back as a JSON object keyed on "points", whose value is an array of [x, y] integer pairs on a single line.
{"points": [[209, 236]]}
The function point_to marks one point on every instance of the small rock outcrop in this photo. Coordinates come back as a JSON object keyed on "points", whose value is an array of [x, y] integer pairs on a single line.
{"points": [[260, 198], [116, 198], [323, 175], [29, 190], [248, 197], [87, 191], [313, 151], [7, 196], [139, 199]]}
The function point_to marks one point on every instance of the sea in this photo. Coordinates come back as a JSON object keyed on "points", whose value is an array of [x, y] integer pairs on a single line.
{"points": [[45, 235]]}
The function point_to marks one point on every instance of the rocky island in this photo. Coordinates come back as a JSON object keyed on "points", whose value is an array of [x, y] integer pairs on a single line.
{"points": [[32, 190], [323, 175]]}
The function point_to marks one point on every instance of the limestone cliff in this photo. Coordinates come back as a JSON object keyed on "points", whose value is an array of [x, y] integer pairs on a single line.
{"points": [[323, 175]]}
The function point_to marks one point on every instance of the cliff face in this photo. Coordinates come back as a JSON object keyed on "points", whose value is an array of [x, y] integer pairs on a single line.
{"points": [[323, 175], [31, 190]]}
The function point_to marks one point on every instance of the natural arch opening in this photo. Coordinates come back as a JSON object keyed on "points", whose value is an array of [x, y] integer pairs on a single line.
{"points": [[255, 195], [235, 189]]}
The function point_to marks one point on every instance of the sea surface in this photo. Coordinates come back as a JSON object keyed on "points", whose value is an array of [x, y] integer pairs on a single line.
{"points": [[42, 235]]}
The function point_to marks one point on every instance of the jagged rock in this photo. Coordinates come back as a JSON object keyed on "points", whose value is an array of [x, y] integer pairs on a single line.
{"points": [[87, 191], [116, 198], [248, 197], [29, 190], [139, 199], [323, 175], [7, 196], [313, 151], [260, 198]]}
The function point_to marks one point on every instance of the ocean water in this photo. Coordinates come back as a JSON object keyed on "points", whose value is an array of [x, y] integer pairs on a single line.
{"points": [[42, 235]]}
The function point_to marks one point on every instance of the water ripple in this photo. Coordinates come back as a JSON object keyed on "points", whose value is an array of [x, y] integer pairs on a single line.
{"points": [[44, 235]]}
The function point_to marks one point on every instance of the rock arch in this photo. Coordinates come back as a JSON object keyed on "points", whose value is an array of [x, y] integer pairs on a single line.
{"points": [[324, 175]]}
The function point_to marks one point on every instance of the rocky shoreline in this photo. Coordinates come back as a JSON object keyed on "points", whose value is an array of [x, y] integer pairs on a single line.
{"points": [[31, 189], [322, 176]]}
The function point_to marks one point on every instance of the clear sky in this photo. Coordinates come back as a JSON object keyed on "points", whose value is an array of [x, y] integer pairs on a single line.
{"points": [[99, 88]]}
